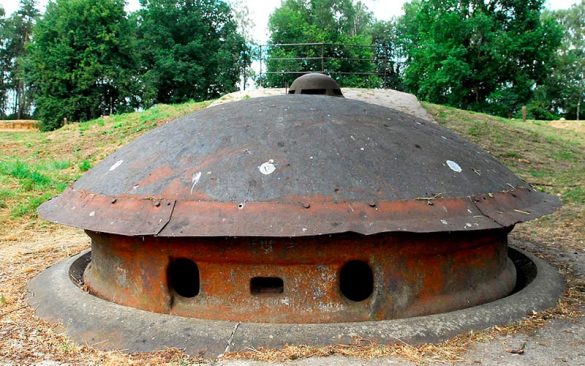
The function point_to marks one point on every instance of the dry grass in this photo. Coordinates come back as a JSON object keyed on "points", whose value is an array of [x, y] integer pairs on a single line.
{"points": [[29, 245]]}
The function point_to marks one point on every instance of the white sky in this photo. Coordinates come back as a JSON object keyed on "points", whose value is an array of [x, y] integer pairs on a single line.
{"points": [[261, 9]]}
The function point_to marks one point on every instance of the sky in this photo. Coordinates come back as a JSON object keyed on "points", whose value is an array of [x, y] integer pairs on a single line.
{"points": [[260, 10]]}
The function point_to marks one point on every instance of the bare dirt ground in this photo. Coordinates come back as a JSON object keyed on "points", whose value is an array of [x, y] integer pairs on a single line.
{"points": [[553, 337], [570, 125]]}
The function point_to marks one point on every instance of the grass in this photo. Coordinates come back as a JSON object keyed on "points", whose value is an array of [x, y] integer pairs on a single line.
{"points": [[550, 158], [84, 166], [36, 166]]}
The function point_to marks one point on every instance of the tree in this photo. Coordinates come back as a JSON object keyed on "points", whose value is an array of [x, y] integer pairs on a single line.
{"points": [[341, 29], [475, 54], [387, 54], [245, 25], [563, 92], [4, 64], [188, 49], [19, 30], [81, 61]]}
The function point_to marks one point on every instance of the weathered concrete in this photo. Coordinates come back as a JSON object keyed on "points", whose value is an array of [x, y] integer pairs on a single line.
{"points": [[404, 102]]}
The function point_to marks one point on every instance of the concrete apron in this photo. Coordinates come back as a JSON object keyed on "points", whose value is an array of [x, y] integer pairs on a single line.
{"points": [[57, 297]]}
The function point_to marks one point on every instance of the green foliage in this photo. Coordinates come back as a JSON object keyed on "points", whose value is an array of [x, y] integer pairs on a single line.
{"points": [[387, 52], [84, 166], [188, 49], [15, 33], [563, 92], [485, 56], [340, 27], [81, 61]]}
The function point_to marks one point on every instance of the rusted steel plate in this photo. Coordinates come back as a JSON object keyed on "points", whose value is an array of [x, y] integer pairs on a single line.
{"points": [[310, 216], [412, 274], [301, 165], [89, 211], [509, 208]]}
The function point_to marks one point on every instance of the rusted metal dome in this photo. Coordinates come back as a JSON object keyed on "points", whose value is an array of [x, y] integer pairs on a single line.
{"points": [[299, 209], [317, 84], [297, 166]]}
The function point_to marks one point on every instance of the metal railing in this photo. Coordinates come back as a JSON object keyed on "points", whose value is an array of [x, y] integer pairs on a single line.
{"points": [[328, 58]]}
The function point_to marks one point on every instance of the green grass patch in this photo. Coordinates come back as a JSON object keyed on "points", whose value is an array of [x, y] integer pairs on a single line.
{"points": [[28, 177], [61, 165], [84, 166], [29, 207], [511, 155], [575, 195], [5, 194], [565, 155]]}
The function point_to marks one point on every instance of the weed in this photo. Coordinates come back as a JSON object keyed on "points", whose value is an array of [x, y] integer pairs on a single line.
{"points": [[84, 166], [30, 206], [84, 126], [478, 129], [28, 178], [511, 155], [4, 195], [66, 347], [61, 165], [564, 155], [575, 195], [537, 173], [2, 299]]}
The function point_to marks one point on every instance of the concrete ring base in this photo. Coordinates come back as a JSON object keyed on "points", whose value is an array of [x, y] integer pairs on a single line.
{"points": [[90, 320]]}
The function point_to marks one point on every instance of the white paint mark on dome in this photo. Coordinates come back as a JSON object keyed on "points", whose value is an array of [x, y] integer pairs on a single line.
{"points": [[454, 166], [195, 179], [267, 168], [116, 165]]}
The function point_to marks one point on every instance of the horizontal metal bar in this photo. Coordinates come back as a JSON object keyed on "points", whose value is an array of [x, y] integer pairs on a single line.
{"points": [[318, 44], [319, 58], [326, 72], [292, 58]]}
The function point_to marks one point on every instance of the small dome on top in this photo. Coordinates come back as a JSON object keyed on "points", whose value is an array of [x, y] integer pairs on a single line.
{"points": [[315, 83]]}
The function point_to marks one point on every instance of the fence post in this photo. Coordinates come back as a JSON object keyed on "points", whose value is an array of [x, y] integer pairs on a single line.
{"points": [[385, 65], [322, 59], [523, 113], [260, 51]]}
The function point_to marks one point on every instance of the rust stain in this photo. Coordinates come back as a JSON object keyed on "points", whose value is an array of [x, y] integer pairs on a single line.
{"points": [[453, 273]]}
